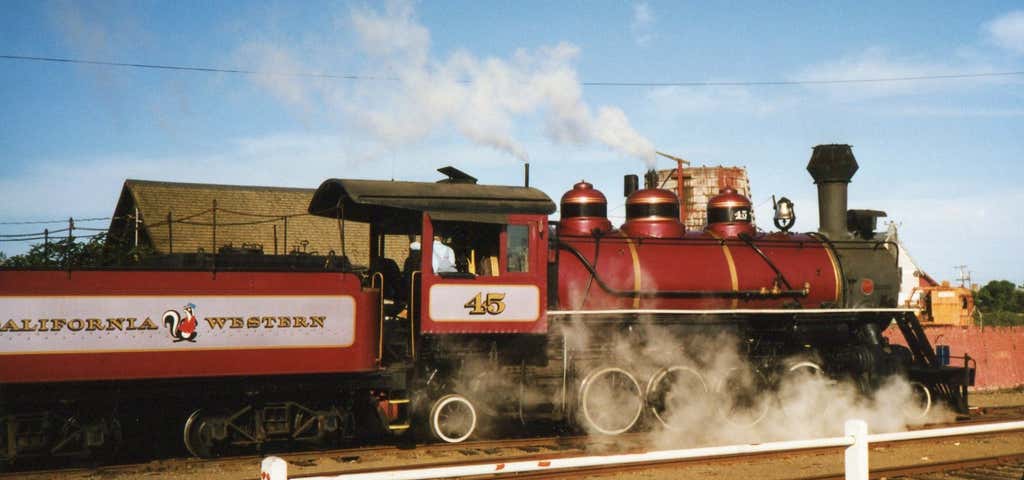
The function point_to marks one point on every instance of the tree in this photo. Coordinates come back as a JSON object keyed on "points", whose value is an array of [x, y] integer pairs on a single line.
{"points": [[97, 251], [999, 295]]}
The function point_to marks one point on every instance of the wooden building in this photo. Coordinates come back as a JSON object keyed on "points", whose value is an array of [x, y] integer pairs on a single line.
{"points": [[699, 185], [170, 217]]}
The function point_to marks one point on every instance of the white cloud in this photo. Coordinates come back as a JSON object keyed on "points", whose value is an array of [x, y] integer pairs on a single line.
{"points": [[393, 34], [938, 111], [677, 100], [944, 231], [300, 160], [1007, 31], [878, 63], [418, 95], [643, 21]]}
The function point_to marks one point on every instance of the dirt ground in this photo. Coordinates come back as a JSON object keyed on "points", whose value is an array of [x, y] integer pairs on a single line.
{"points": [[999, 398]]}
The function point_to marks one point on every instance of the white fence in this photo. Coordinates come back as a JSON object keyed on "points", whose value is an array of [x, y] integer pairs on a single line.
{"points": [[856, 440]]}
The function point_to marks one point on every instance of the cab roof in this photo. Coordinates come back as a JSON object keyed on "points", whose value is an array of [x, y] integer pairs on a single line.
{"points": [[384, 201]]}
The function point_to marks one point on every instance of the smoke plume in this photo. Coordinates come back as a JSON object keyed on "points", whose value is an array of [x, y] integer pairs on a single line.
{"points": [[406, 94]]}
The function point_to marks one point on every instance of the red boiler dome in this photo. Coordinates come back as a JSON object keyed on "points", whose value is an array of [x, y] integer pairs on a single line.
{"points": [[729, 214], [653, 212], [584, 211]]}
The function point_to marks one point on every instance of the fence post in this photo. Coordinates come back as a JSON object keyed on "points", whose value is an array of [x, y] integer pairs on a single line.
{"points": [[214, 251], [857, 454], [71, 241], [273, 468]]}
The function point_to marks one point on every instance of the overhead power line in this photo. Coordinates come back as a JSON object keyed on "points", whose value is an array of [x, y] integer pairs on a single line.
{"points": [[693, 83], [154, 66], [64, 221]]}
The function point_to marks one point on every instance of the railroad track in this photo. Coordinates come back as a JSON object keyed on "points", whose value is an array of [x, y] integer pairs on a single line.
{"points": [[894, 460], [362, 459], [1003, 467], [1011, 470]]}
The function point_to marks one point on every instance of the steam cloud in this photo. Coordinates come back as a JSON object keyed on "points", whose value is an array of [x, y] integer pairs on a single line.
{"points": [[732, 403], [415, 95]]}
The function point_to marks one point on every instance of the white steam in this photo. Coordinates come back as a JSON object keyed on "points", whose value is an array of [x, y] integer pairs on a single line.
{"points": [[413, 95], [713, 396]]}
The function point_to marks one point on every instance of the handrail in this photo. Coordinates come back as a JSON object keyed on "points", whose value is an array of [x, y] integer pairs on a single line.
{"points": [[855, 439], [380, 313], [412, 311]]}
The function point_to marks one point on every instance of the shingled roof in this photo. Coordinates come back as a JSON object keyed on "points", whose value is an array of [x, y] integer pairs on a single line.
{"points": [[269, 216]]}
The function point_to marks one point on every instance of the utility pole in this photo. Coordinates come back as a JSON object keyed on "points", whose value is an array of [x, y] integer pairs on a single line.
{"points": [[964, 275]]}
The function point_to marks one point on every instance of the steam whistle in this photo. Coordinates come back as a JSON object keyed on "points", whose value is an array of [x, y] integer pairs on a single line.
{"points": [[651, 179]]}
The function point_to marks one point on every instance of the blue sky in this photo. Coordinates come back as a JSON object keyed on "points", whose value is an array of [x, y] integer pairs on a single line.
{"points": [[482, 85]]}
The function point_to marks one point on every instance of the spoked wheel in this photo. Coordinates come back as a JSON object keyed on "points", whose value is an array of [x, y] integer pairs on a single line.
{"points": [[452, 418], [200, 438], [798, 374], [741, 403], [922, 401], [610, 401], [672, 389], [805, 368]]}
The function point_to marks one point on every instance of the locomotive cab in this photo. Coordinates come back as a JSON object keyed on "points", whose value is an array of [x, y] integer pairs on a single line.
{"points": [[483, 249]]}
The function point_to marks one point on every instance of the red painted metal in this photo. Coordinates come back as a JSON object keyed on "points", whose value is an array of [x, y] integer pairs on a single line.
{"points": [[126, 364], [584, 195], [654, 226], [728, 198], [698, 262], [867, 286], [536, 276]]}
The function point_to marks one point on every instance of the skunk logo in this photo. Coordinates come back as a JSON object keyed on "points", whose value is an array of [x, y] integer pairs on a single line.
{"points": [[182, 329]]}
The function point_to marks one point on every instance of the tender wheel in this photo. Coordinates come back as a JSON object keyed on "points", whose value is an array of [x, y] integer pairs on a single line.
{"points": [[452, 418], [610, 401], [103, 436], [200, 439], [672, 389], [742, 403], [922, 401]]}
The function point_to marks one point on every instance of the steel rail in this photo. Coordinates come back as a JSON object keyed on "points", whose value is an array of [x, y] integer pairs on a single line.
{"points": [[856, 439]]}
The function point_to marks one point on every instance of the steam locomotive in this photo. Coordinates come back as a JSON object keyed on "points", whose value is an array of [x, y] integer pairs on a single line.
{"points": [[542, 321]]}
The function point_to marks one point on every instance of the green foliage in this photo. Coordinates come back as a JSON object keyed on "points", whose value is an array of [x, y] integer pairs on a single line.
{"points": [[98, 251], [1000, 295], [1003, 319], [1001, 303]]}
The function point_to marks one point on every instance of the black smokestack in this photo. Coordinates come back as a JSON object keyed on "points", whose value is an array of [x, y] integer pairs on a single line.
{"points": [[630, 184], [526, 175], [832, 167]]}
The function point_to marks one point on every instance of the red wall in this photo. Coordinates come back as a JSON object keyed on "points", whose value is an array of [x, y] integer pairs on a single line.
{"points": [[999, 351]]}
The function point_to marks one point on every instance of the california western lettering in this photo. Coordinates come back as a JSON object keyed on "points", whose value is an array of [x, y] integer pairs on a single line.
{"points": [[132, 323], [220, 323], [77, 324]]}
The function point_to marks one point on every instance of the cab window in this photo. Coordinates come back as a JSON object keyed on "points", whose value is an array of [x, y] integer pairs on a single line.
{"points": [[518, 248], [475, 246]]}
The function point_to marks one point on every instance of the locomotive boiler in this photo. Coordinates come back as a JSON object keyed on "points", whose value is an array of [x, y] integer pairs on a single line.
{"points": [[539, 320]]}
